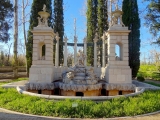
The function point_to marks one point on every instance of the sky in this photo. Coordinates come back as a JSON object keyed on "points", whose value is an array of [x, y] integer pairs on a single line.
{"points": [[75, 9]]}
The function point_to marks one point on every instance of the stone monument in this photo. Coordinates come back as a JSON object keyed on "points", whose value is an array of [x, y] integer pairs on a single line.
{"points": [[115, 78], [41, 71], [118, 72]]}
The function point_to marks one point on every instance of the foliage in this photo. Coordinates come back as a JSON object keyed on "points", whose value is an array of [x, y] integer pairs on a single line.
{"points": [[141, 104], [37, 6], [149, 72], [91, 28], [6, 14], [7, 60], [96, 23], [59, 25], [140, 78], [102, 18], [131, 19], [153, 18]]}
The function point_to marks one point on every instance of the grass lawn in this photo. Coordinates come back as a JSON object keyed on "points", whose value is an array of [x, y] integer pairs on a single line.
{"points": [[149, 72], [147, 102]]}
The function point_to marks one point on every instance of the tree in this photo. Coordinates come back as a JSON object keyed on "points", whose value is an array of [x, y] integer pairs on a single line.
{"points": [[131, 19], [102, 16], [91, 28], [24, 27], [37, 6], [59, 25], [15, 69], [153, 18], [6, 14]]}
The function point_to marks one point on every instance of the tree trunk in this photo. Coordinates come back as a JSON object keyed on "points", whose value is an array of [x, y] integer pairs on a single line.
{"points": [[24, 32], [15, 71]]}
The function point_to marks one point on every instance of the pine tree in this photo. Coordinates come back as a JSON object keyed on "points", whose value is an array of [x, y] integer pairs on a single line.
{"points": [[37, 6], [131, 19], [59, 25], [153, 18], [6, 12]]}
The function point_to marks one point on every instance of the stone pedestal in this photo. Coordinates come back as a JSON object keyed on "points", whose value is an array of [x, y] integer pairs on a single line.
{"points": [[41, 70], [118, 70], [41, 74], [85, 93]]}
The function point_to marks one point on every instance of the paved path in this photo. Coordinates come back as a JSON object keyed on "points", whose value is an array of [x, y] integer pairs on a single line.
{"points": [[10, 115]]}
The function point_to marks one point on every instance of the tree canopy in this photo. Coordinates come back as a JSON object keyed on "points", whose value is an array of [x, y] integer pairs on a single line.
{"points": [[96, 23], [153, 18], [37, 6], [59, 25], [131, 19], [6, 14]]}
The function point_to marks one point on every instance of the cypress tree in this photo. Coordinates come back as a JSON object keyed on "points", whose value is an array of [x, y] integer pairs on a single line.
{"points": [[102, 16], [37, 6], [59, 26], [131, 19], [91, 28]]}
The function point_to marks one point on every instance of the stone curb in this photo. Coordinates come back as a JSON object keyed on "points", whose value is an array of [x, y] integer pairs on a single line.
{"points": [[143, 115], [95, 98]]}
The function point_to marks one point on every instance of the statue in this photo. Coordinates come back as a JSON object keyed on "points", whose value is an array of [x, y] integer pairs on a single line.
{"points": [[67, 77], [43, 19], [81, 58], [116, 17], [39, 20], [44, 8]]}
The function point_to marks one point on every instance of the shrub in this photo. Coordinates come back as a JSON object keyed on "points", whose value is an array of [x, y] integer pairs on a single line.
{"points": [[140, 78]]}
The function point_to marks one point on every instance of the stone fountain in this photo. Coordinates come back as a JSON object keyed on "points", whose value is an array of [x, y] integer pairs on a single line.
{"points": [[80, 79], [113, 78]]}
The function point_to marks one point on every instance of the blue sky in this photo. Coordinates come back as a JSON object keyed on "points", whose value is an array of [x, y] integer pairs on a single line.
{"points": [[76, 9]]}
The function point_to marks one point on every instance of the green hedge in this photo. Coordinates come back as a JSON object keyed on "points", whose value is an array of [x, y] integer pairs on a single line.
{"points": [[147, 102]]}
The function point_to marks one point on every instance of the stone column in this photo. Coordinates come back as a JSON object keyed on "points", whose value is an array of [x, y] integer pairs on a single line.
{"points": [[75, 50], [95, 50], [85, 51], [103, 51], [57, 50], [65, 51]]}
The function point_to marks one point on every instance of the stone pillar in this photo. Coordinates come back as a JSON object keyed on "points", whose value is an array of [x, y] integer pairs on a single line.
{"points": [[95, 50], [75, 50], [38, 72], [118, 71], [57, 50], [65, 51], [103, 51], [85, 51]]}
